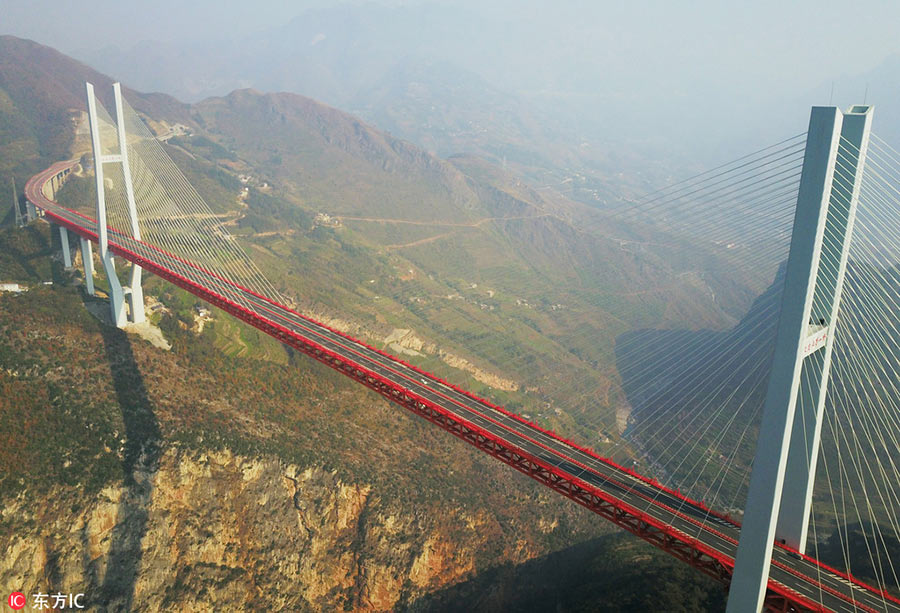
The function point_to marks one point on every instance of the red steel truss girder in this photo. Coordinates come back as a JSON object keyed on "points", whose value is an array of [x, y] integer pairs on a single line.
{"points": [[659, 534], [286, 338]]}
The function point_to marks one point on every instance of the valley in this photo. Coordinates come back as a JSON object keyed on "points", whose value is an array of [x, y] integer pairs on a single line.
{"points": [[528, 296]]}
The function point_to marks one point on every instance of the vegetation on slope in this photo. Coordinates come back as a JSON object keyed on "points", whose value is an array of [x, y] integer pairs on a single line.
{"points": [[84, 405], [521, 285], [42, 96]]}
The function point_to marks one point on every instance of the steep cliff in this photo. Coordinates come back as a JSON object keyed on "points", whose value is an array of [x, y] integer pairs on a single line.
{"points": [[185, 479], [216, 530]]}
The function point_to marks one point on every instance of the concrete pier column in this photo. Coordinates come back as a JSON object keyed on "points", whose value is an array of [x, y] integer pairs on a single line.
{"points": [[66, 251], [87, 259]]}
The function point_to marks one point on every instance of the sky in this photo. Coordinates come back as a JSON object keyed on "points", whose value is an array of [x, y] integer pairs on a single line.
{"points": [[680, 66], [807, 40]]}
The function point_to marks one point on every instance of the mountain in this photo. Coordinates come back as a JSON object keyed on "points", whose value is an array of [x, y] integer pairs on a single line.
{"points": [[186, 479], [498, 281], [152, 479], [497, 285], [458, 264], [329, 54], [451, 249], [407, 70], [449, 110], [41, 94], [303, 145]]}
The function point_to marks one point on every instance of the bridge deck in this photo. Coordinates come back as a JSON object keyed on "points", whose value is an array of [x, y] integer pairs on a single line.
{"points": [[682, 527]]}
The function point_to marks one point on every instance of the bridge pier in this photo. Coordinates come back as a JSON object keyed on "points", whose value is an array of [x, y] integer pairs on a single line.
{"points": [[17, 210], [87, 260], [788, 444], [116, 294], [135, 295], [30, 211], [66, 250]]}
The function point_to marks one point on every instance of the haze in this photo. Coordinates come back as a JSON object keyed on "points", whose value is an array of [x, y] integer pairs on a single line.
{"points": [[661, 80]]}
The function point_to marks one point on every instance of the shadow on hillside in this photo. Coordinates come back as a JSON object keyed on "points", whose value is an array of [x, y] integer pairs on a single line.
{"points": [[693, 393], [58, 273], [856, 539], [24, 260], [9, 217], [140, 461], [615, 572]]}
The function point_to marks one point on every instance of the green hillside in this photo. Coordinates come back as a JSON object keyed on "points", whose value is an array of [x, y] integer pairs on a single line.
{"points": [[518, 295], [41, 99], [527, 287]]}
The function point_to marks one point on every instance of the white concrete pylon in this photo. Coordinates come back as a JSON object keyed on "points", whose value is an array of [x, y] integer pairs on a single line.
{"points": [[136, 293], [802, 347], [116, 295], [803, 454], [751, 570]]}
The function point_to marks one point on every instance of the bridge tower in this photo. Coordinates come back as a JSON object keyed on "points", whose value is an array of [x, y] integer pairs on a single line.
{"points": [[788, 447], [133, 292]]}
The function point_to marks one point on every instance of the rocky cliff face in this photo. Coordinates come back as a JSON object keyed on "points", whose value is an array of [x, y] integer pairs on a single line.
{"points": [[154, 480], [220, 531]]}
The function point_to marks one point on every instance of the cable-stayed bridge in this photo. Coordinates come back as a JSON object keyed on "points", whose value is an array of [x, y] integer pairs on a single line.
{"points": [[149, 215]]}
